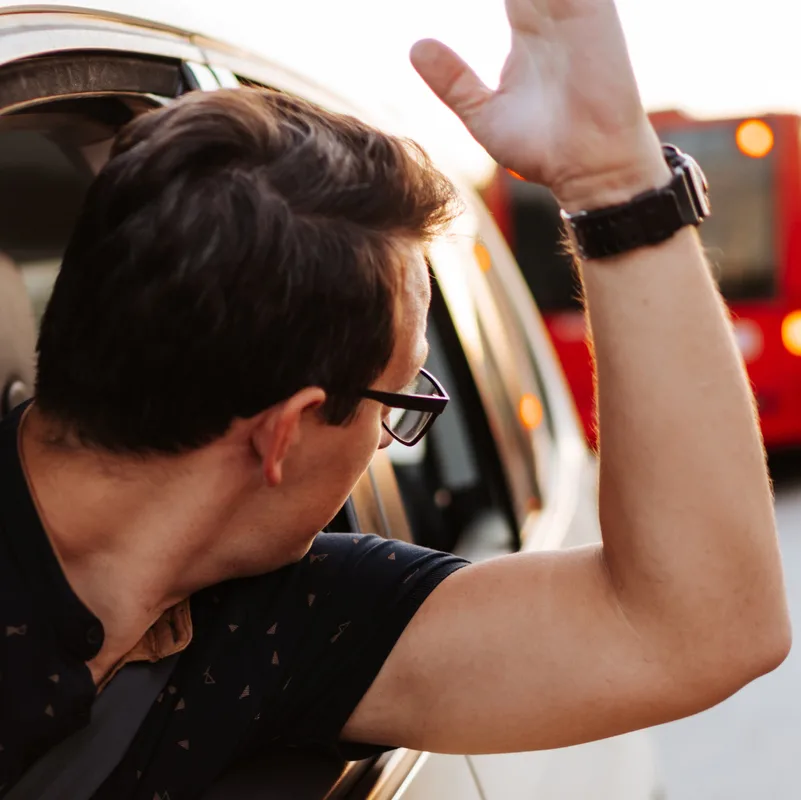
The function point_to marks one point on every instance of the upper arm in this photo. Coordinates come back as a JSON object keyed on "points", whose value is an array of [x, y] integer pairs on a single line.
{"points": [[524, 652]]}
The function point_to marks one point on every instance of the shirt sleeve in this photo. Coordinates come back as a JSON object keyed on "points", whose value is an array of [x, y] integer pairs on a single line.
{"points": [[352, 597]]}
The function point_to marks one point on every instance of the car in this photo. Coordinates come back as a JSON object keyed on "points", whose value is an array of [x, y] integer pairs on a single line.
{"points": [[506, 467]]}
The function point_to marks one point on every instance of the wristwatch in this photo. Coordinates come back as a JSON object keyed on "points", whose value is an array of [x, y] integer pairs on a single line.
{"points": [[649, 218]]}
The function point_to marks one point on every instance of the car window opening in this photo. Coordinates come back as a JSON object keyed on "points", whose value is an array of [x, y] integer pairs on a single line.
{"points": [[451, 482], [49, 155]]}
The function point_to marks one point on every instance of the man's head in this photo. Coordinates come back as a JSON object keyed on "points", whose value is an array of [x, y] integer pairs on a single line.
{"points": [[242, 253]]}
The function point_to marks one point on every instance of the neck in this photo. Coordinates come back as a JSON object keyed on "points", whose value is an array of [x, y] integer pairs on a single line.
{"points": [[135, 536]]}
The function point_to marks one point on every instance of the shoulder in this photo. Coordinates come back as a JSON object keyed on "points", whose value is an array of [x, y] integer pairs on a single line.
{"points": [[369, 563], [346, 576], [365, 564]]}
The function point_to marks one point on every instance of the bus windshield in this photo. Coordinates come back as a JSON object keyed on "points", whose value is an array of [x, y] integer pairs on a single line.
{"points": [[739, 236]]}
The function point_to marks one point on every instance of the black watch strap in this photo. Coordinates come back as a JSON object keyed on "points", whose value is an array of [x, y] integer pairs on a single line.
{"points": [[649, 218]]}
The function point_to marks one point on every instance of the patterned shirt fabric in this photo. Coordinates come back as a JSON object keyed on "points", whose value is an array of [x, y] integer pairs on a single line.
{"points": [[275, 660]]}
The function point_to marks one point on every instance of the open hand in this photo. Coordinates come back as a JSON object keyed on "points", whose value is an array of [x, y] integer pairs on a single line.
{"points": [[567, 112]]}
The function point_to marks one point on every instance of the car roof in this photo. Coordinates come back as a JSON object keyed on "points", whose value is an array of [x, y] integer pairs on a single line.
{"points": [[232, 31]]}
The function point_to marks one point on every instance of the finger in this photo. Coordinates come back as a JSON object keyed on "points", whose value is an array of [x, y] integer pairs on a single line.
{"points": [[449, 77]]}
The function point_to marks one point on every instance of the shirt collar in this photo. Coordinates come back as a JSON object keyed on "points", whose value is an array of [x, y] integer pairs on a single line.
{"points": [[80, 630], [77, 627]]}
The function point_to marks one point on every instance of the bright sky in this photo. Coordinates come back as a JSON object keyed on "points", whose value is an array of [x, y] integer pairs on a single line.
{"points": [[706, 56]]}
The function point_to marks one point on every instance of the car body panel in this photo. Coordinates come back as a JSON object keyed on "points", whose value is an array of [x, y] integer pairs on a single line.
{"points": [[621, 767], [442, 777]]}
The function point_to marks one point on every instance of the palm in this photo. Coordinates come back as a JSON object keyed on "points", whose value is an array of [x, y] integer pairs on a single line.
{"points": [[567, 98]]}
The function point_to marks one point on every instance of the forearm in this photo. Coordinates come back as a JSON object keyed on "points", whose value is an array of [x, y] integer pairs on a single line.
{"points": [[685, 502]]}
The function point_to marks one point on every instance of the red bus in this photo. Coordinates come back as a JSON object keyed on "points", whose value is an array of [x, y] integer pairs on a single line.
{"points": [[753, 240]]}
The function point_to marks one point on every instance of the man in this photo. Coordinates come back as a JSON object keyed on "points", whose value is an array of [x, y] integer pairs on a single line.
{"points": [[241, 305]]}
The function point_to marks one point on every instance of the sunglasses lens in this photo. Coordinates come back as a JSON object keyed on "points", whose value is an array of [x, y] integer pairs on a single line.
{"points": [[407, 425]]}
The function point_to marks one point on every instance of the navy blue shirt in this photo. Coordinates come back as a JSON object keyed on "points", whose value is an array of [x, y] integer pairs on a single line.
{"points": [[278, 659]]}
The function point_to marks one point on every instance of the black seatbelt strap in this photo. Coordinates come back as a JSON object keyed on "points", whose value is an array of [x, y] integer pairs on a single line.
{"points": [[75, 768]]}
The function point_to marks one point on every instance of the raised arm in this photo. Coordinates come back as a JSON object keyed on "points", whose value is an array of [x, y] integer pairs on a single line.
{"points": [[684, 602]]}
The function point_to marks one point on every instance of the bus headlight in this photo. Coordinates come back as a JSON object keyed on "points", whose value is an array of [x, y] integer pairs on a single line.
{"points": [[791, 333], [755, 138]]}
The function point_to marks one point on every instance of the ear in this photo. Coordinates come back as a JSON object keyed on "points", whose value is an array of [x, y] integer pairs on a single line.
{"points": [[279, 430]]}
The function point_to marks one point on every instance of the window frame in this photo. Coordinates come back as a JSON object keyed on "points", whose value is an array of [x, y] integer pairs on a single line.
{"points": [[480, 415], [567, 475], [477, 317]]}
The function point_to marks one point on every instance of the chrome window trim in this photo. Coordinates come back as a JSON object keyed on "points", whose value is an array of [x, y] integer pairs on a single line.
{"points": [[352, 773], [398, 772], [111, 16], [28, 31]]}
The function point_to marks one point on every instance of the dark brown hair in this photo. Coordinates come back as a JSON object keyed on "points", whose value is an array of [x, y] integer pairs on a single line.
{"points": [[238, 246]]}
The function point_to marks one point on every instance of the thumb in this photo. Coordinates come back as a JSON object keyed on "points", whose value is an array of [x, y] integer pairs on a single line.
{"points": [[450, 78]]}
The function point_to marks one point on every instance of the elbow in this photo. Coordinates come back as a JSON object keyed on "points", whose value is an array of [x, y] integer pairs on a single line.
{"points": [[775, 648], [752, 653], [765, 635], [723, 677], [728, 657]]}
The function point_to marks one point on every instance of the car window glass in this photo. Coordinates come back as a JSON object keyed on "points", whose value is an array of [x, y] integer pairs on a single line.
{"points": [[452, 482], [533, 411], [532, 424]]}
